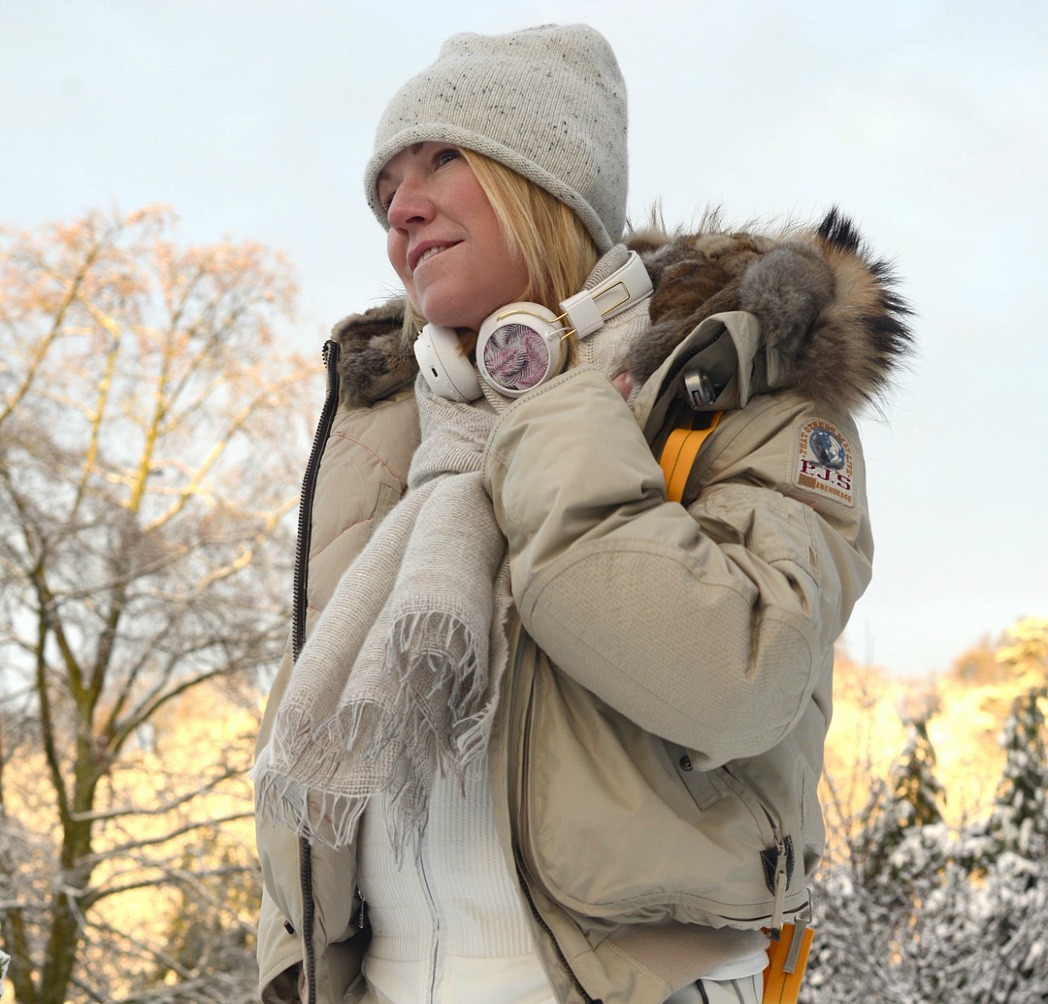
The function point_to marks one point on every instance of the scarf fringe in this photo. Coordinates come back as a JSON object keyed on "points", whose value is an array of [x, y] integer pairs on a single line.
{"points": [[437, 659], [309, 810], [441, 669]]}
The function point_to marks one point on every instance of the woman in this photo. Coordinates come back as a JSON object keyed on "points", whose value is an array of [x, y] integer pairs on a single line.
{"points": [[556, 736]]}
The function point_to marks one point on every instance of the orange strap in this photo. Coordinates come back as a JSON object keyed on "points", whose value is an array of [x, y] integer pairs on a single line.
{"points": [[678, 456], [787, 959]]}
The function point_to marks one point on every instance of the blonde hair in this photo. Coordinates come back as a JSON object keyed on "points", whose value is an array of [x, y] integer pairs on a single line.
{"points": [[556, 248]]}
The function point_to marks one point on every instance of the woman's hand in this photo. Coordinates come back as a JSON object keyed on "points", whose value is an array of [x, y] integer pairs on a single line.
{"points": [[623, 384]]}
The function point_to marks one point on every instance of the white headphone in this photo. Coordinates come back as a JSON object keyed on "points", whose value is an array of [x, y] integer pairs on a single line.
{"points": [[522, 345]]}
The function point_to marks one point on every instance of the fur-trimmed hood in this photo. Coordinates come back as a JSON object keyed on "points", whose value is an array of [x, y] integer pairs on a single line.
{"points": [[829, 312]]}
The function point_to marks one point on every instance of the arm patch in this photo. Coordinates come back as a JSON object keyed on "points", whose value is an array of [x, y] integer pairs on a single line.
{"points": [[822, 463]]}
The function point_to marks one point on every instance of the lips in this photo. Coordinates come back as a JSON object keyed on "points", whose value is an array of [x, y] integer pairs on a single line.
{"points": [[425, 250]]}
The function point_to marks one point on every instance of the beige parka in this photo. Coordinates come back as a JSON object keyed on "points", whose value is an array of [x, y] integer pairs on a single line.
{"points": [[659, 741]]}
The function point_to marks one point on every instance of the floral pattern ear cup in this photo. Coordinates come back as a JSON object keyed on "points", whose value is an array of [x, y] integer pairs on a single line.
{"points": [[516, 357]]}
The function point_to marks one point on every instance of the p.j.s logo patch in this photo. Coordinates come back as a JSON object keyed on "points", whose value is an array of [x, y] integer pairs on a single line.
{"points": [[824, 462]]}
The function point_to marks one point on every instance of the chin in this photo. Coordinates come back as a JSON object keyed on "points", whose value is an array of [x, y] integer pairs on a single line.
{"points": [[451, 315], [454, 320]]}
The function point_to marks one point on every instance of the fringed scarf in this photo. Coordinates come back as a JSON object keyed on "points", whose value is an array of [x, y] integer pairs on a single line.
{"points": [[400, 676]]}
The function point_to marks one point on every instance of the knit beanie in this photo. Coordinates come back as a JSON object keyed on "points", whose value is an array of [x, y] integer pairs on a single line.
{"points": [[548, 102]]}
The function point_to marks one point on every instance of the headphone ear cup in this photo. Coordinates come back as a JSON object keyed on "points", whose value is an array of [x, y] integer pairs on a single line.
{"points": [[445, 367], [520, 347]]}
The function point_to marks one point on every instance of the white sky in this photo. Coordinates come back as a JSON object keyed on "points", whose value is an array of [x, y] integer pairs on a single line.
{"points": [[926, 121]]}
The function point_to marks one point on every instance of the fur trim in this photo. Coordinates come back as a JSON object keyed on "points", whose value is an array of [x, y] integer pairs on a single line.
{"points": [[862, 337], [376, 357], [829, 312]]}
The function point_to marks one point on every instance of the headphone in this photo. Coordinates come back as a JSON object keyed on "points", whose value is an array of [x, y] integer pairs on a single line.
{"points": [[522, 345]]}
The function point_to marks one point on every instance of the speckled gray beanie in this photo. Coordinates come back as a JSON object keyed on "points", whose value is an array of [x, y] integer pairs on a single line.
{"points": [[548, 102]]}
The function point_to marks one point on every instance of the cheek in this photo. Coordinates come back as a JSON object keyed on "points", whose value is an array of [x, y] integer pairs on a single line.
{"points": [[396, 252]]}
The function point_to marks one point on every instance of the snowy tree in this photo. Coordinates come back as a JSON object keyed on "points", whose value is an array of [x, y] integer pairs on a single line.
{"points": [[1025, 649], [911, 912], [1019, 821], [897, 812], [148, 458]]}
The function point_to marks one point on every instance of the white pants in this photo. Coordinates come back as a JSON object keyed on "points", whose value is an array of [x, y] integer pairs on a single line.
{"points": [[747, 990]]}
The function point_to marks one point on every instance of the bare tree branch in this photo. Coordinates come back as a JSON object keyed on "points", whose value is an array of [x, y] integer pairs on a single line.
{"points": [[148, 460]]}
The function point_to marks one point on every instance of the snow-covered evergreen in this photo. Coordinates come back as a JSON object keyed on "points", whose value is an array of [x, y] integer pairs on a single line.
{"points": [[915, 912], [1019, 820]]}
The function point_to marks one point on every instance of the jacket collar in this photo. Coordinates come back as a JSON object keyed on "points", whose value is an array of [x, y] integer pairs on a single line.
{"points": [[825, 319]]}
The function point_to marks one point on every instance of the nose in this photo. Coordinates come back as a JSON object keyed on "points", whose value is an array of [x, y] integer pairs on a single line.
{"points": [[411, 204]]}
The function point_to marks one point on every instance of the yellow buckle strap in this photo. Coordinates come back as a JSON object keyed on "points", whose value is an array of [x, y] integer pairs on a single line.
{"points": [[788, 958], [678, 456]]}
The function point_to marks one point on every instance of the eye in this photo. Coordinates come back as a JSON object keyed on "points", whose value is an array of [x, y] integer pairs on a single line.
{"points": [[447, 155], [385, 198]]}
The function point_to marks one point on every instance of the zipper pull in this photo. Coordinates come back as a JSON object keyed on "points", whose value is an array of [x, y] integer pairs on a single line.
{"points": [[362, 912], [781, 878]]}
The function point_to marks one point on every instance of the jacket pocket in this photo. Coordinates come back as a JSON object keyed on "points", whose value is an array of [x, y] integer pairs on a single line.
{"points": [[612, 828]]}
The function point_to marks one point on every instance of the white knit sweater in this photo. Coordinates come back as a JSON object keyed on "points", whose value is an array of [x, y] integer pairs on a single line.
{"points": [[449, 927]]}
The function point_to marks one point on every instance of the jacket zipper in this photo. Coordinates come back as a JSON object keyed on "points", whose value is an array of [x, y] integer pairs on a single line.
{"points": [[298, 631], [309, 959], [780, 874], [309, 490], [523, 824], [780, 881], [553, 940]]}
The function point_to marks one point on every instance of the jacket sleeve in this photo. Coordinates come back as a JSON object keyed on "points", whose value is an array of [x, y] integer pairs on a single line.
{"points": [[709, 627]]}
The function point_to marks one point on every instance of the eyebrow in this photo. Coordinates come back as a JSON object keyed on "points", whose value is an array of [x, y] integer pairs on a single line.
{"points": [[383, 175]]}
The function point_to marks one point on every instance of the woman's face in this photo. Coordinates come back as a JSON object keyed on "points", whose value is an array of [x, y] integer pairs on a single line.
{"points": [[445, 241]]}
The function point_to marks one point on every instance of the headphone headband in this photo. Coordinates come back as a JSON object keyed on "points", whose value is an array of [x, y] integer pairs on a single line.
{"points": [[588, 310]]}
